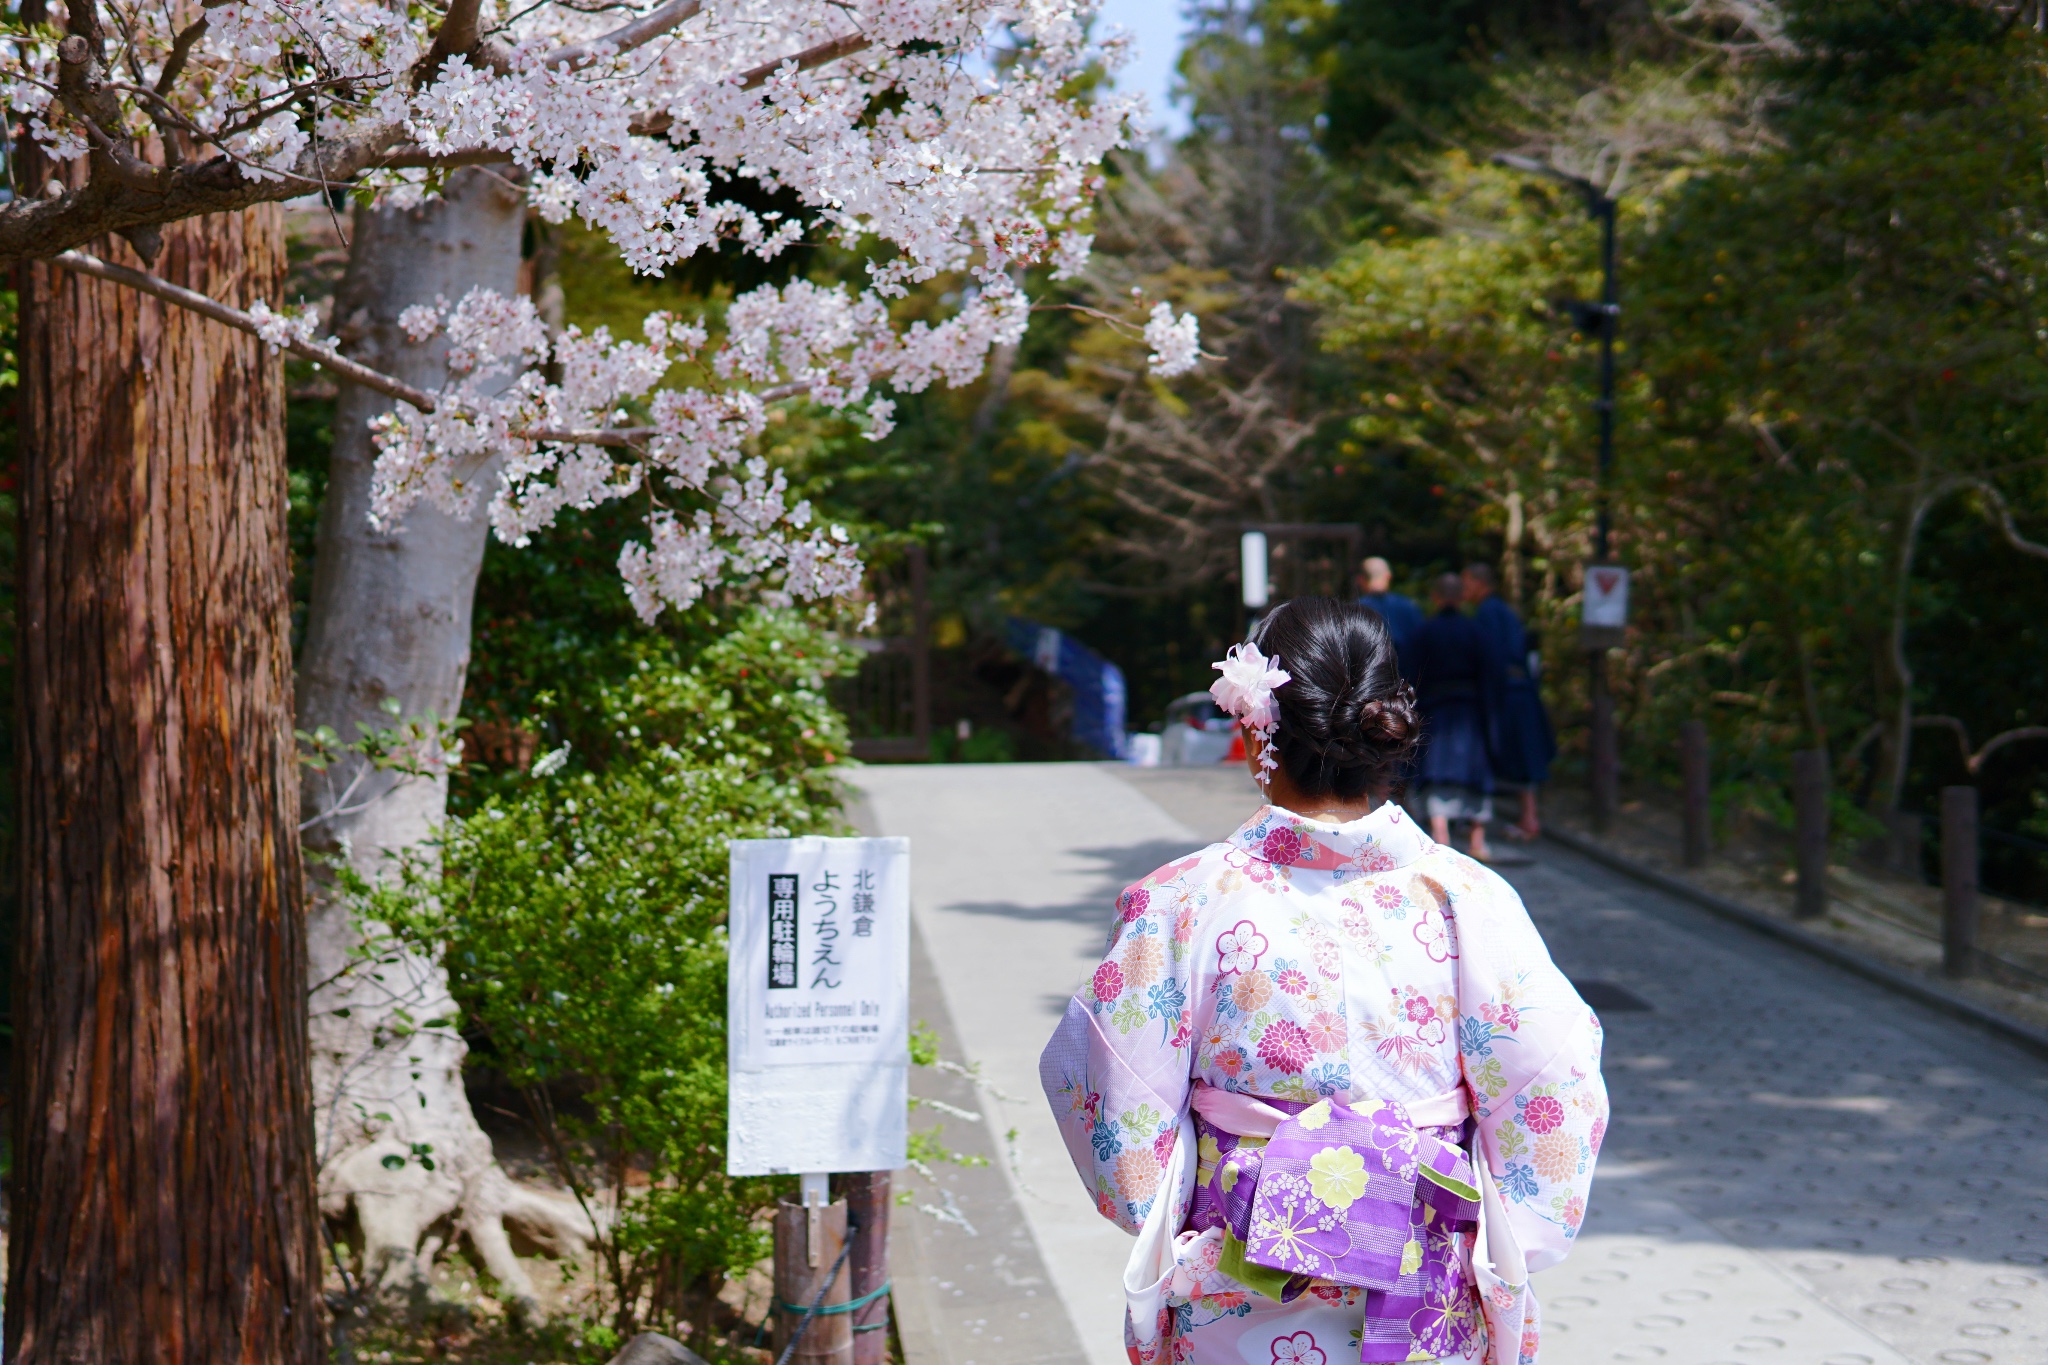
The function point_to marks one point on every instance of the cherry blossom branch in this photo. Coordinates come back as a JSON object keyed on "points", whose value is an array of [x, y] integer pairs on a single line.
{"points": [[276, 329], [825, 53], [271, 327], [458, 35], [627, 36], [1173, 341], [822, 54], [970, 173], [137, 195], [37, 227], [811, 58]]}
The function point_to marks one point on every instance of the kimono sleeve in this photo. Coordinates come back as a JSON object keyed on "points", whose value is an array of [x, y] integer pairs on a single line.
{"points": [[1117, 1068], [1530, 1049]]}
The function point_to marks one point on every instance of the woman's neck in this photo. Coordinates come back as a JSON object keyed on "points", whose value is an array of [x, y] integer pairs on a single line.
{"points": [[1281, 791], [1329, 808]]}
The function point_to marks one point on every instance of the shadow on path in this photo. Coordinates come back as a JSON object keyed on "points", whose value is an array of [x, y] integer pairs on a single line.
{"points": [[1116, 867]]}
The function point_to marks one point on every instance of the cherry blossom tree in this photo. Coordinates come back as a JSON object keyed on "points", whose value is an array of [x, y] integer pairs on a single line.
{"points": [[933, 137], [938, 136]]}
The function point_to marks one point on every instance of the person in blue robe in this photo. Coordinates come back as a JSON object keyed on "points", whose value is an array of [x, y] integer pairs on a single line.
{"points": [[1454, 777], [1402, 616], [1523, 743]]}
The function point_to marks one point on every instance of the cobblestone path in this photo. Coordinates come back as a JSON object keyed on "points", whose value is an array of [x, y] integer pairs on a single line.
{"points": [[1802, 1167]]}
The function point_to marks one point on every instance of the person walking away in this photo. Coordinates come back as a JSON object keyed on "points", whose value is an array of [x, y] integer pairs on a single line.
{"points": [[1399, 611], [1523, 741], [1454, 778], [1315, 1051]]}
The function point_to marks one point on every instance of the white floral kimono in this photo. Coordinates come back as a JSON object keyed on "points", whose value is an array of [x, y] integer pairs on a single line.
{"points": [[1331, 1077]]}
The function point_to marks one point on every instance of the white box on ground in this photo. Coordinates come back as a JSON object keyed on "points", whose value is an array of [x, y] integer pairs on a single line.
{"points": [[818, 1005]]}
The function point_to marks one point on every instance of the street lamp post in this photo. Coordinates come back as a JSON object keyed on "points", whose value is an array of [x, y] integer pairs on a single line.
{"points": [[1603, 756]]}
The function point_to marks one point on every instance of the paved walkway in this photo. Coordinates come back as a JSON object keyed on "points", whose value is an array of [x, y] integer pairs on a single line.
{"points": [[1802, 1168]]}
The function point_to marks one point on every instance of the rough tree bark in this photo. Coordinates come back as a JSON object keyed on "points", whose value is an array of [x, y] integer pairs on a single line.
{"points": [[390, 619], [162, 1203]]}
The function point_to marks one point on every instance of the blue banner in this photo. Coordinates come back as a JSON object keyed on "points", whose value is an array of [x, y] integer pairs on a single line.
{"points": [[1098, 684]]}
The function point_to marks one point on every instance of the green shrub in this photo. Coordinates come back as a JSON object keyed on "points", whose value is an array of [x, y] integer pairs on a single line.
{"points": [[580, 911]]}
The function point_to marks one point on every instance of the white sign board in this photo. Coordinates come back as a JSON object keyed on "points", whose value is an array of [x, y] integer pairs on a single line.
{"points": [[1606, 597], [818, 1005], [1252, 566]]}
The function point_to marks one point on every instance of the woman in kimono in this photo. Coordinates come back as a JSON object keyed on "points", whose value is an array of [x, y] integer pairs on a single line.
{"points": [[1327, 1071]]}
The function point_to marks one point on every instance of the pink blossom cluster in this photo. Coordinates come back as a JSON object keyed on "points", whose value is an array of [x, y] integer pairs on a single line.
{"points": [[549, 445], [936, 137], [278, 329]]}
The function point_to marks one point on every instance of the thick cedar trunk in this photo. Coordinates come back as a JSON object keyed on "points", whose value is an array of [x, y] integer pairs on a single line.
{"points": [[162, 1182]]}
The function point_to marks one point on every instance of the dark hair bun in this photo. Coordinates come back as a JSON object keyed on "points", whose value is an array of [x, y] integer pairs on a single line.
{"points": [[1348, 724]]}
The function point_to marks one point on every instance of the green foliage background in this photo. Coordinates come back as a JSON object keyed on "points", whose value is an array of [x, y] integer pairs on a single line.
{"points": [[1832, 356]]}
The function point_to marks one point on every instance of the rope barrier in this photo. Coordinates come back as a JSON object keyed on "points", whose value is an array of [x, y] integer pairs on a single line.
{"points": [[850, 1306]]}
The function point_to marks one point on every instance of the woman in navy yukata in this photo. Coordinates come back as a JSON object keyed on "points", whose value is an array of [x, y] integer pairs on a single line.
{"points": [[1454, 779], [1523, 742]]}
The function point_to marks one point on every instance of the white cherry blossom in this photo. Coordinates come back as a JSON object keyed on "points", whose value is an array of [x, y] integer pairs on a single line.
{"points": [[1176, 344], [938, 138]]}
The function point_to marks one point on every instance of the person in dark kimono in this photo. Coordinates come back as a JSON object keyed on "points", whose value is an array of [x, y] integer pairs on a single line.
{"points": [[1522, 741], [1403, 617], [1454, 779]]}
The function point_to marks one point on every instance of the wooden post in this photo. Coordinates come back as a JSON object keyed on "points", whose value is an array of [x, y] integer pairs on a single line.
{"points": [[1697, 784], [920, 654], [867, 1201], [1958, 880], [1606, 761], [829, 1338], [1810, 831]]}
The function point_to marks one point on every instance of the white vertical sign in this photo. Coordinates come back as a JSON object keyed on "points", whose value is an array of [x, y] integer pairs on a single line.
{"points": [[1605, 602], [818, 1005], [1252, 565]]}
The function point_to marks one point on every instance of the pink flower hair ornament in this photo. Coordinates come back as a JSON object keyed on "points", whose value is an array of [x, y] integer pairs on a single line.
{"points": [[1246, 691]]}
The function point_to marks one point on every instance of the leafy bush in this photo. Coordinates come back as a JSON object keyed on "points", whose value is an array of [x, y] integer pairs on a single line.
{"points": [[581, 913]]}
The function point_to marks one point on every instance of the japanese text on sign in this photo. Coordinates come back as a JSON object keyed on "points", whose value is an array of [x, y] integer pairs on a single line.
{"points": [[818, 1017], [821, 944], [781, 932], [825, 896]]}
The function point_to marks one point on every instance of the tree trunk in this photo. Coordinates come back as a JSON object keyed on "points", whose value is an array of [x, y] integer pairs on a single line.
{"points": [[162, 1202], [390, 619], [1894, 667]]}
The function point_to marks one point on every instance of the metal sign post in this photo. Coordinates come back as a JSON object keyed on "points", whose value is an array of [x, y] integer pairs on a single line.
{"points": [[1603, 615], [818, 1053]]}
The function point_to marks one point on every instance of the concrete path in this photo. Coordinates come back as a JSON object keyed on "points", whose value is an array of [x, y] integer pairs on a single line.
{"points": [[1014, 870], [1802, 1168]]}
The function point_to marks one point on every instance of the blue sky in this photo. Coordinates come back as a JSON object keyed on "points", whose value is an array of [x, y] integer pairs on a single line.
{"points": [[1157, 25]]}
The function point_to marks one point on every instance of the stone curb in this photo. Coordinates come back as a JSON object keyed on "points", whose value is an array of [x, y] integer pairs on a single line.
{"points": [[1949, 1002]]}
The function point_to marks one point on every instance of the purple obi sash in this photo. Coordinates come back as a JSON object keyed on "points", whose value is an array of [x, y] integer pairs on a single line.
{"points": [[1350, 1195]]}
